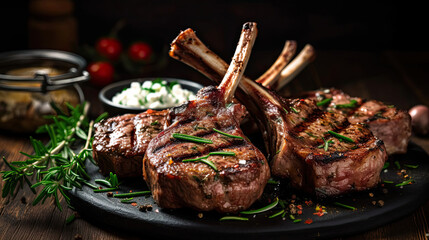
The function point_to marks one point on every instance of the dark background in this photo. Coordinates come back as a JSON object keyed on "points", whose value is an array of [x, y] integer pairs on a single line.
{"points": [[327, 25]]}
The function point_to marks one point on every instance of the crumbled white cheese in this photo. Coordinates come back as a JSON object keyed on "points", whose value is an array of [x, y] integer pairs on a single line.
{"points": [[153, 95], [241, 161]]}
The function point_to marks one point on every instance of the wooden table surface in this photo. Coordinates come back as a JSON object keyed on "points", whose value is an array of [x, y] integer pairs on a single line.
{"points": [[399, 78]]}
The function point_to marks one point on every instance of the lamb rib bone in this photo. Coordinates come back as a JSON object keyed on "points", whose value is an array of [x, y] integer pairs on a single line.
{"points": [[274, 71], [285, 123]]}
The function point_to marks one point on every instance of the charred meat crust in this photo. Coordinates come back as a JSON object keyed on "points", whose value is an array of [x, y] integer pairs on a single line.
{"points": [[238, 181], [120, 142]]}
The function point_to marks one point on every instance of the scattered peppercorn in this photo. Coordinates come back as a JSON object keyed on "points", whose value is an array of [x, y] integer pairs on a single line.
{"points": [[380, 203], [371, 194], [200, 215], [23, 200], [109, 194]]}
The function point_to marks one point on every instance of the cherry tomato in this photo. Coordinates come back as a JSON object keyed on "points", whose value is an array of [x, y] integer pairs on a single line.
{"points": [[101, 73], [140, 51], [109, 47]]}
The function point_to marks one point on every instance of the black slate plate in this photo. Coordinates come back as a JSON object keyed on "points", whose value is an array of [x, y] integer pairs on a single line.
{"points": [[188, 224]]}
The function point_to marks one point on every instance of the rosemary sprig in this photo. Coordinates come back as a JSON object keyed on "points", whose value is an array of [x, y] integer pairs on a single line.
{"points": [[342, 137], [191, 138], [324, 102], [351, 104], [227, 134], [54, 165]]}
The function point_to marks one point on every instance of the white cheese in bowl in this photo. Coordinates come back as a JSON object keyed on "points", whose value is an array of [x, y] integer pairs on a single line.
{"points": [[153, 94]]}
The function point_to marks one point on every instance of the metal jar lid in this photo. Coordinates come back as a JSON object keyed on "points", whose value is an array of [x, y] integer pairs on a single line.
{"points": [[72, 68]]}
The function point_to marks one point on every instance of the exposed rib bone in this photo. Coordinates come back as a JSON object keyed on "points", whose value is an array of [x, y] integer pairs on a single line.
{"points": [[306, 56], [274, 71], [239, 61]]}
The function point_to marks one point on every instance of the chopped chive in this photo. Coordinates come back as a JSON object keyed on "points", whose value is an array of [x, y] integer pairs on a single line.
{"points": [[345, 206], [141, 102], [294, 110], [271, 181], [397, 164], [351, 104], [191, 138], [324, 102], [222, 153], [386, 181], [226, 134], [70, 219], [103, 182], [339, 136], [292, 217], [297, 220], [154, 123], [277, 214], [411, 166], [127, 200], [263, 209], [404, 183], [286, 110], [386, 165], [210, 163], [233, 218], [131, 194], [105, 190], [278, 151]]}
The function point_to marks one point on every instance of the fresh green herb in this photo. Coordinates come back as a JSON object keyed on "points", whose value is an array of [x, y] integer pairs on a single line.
{"points": [[277, 214], [226, 134], [70, 219], [191, 138], [229, 105], [286, 110], [325, 145], [324, 102], [203, 159], [339, 136], [351, 104], [386, 181], [409, 181], [271, 181], [156, 122], [386, 165], [141, 102], [54, 165], [411, 166], [103, 182], [345, 206], [131, 194], [127, 200], [297, 220], [278, 151], [263, 209], [105, 189], [397, 164], [236, 218], [294, 110], [292, 217]]}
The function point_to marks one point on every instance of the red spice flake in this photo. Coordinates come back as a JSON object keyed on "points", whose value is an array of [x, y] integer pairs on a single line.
{"points": [[308, 203], [150, 111], [308, 221], [131, 191], [299, 207], [299, 212], [170, 162], [320, 210], [100, 188], [134, 204]]}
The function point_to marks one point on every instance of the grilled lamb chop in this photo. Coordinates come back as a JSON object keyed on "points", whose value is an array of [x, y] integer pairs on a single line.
{"points": [[227, 173], [120, 142], [391, 125], [320, 152], [388, 123]]}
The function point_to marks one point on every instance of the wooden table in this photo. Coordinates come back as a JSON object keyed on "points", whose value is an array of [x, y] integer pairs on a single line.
{"points": [[399, 78]]}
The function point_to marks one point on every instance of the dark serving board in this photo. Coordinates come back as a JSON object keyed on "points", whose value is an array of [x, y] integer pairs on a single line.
{"points": [[188, 224]]}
